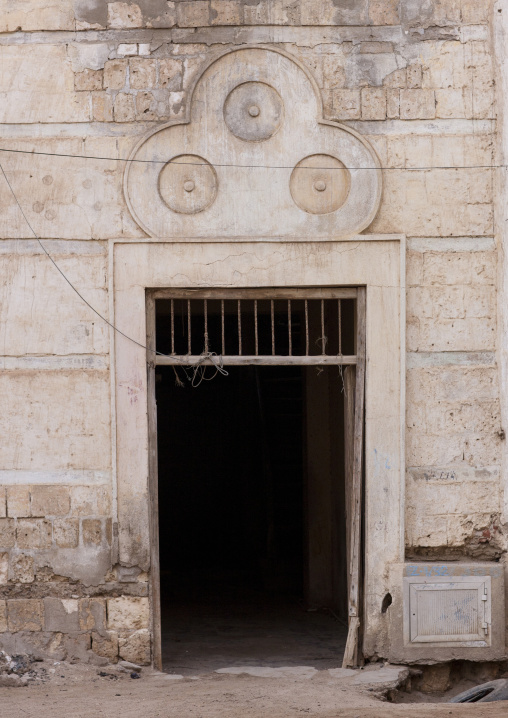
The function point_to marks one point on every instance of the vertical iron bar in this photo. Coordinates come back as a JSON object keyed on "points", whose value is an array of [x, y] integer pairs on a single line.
{"points": [[306, 328], [222, 326], [206, 325], [240, 327], [189, 331], [172, 326], [273, 326], [323, 326], [256, 325], [339, 309], [289, 328]]}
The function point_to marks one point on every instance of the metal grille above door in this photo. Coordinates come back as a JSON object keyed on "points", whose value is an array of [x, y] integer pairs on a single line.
{"points": [[257, 326]]}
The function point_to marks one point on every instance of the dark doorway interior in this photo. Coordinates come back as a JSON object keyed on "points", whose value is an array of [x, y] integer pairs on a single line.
{"points": [[251, 517]]}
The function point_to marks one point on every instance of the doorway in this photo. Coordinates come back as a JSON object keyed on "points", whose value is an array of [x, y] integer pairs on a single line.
{"points": [[252, 480]]}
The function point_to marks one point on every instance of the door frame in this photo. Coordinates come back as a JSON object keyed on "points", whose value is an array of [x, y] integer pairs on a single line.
{"points": [[353, 468], [374, 261]]}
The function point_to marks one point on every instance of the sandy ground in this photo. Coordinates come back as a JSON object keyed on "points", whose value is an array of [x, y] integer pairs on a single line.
{"points": [[80, 691]]}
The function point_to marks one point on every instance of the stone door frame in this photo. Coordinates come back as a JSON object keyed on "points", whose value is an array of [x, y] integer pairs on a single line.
{"points": [[374, 261]]}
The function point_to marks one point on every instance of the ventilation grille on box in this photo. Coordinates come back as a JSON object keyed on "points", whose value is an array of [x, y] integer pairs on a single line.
{"points": [[443, 611]]}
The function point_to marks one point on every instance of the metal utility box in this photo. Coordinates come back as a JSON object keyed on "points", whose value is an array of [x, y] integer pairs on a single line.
{"points": [[458, 611], [448, 611]]}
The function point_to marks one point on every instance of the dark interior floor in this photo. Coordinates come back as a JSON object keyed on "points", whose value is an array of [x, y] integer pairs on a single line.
{"points": [[203, 635], [232, 525]]}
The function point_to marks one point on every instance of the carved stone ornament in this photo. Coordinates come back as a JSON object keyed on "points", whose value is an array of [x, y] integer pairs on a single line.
{"points": [[253, 111], [188, 184], [253, 158]]}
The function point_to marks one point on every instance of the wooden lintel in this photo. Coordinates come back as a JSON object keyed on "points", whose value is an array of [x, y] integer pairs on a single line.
{"points": [[197, 360]]}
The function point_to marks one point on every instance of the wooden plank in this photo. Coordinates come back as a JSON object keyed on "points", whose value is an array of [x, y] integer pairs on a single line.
{"points": [[354, 569], [258, 293], [181, 360], [350, 659], [153, 489], [349, 419]]}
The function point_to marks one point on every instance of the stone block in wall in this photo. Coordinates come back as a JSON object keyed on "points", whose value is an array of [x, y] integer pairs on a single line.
{"points": [[126, 612], [123, 108], [480, 301], [102, 107], [346, 104], [474, 12], [384, 12], [484, 450], [115, 74], [30, 286], [483, 267], [459, 418], [106, 645], [39, 644], [142, 73], [3, 503], [90, 500], [88, 80], [452, 268], [92, 614], [7, 533], [193, 13], [32, 16], [135, 647], [392, 103], [441, 498], [441, 13], [4, 568], [453, 384], [46, 534], [124, 15], [18, 501], [146, 106], [396, 79], [66, 532], [22, 568], [47, 73], [423, 529], [77, 646], [226, 12], [414, 76], [170, 73], [127, 574], [61, 615], [417, 105], [28, 533], [453, 104], [334, 75], [3, 616], [50, 501], [24, 614], [373, 103], [91, 532]]}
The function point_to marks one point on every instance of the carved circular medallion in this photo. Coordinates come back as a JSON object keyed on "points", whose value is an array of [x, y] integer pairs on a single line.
{"points": [[188, 184], [253, 111], [320, 184]]}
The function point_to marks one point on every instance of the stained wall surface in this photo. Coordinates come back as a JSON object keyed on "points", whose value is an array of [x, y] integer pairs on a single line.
{"points": [[417, 80]]}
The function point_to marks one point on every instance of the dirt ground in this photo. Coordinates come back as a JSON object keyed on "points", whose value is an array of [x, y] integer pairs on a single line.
{"points": [[72, 691]]}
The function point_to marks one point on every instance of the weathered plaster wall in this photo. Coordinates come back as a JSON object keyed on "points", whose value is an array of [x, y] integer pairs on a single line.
{"points": [[89, 78]]}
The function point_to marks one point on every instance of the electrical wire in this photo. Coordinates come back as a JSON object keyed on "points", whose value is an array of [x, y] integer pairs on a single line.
{"points": [[196, 369], [71, 285], [266, 167]]}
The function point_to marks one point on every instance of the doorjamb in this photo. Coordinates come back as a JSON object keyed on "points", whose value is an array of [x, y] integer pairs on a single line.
{"points": [[375, 261]]}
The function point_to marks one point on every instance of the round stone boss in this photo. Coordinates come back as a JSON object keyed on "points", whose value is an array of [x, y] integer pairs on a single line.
{"points": [[188, 184], [320, 184], [253, 111]]}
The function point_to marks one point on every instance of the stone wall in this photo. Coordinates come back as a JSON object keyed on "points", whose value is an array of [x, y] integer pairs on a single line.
{"points": [[89, 78]]}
